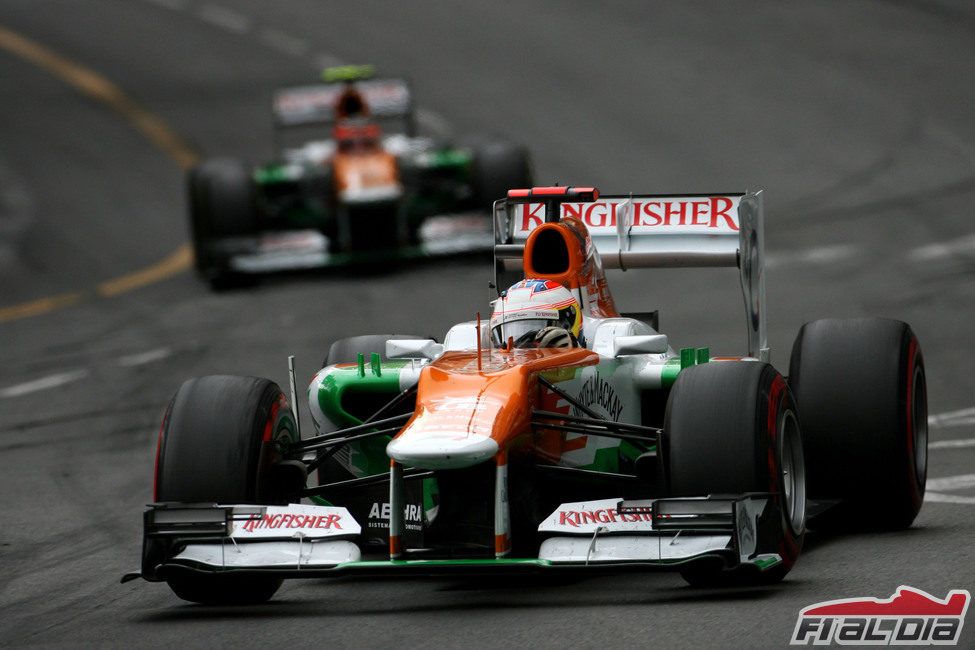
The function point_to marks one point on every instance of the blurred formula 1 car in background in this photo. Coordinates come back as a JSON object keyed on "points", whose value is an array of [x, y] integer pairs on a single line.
{"points": [[558, 435], [373, 191]]}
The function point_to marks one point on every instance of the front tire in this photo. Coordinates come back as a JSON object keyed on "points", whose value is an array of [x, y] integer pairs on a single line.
{"points": [[862, 395], [217, 446], [731, 428]]}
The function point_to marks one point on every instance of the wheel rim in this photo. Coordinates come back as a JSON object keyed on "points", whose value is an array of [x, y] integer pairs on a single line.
{"points": [[793, 473], [919, 424]]}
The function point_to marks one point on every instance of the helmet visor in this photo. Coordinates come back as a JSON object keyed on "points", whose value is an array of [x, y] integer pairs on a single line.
{"points": [[521, 331]]}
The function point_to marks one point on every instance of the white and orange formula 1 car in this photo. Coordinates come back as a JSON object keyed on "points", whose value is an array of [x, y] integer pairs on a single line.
{"points": [[557, 435], [354, 181]]}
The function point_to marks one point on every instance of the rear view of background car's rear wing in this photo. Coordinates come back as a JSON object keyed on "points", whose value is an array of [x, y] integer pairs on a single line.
{"points": [[315, 104], [651, 231]]}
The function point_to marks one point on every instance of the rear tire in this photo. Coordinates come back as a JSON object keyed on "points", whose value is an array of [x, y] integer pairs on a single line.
{"points": [[862, 396], [731, 428], [222, 204], [216, 447]]}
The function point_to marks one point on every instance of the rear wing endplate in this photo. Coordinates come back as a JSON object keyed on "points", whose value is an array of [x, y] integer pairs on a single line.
{"points": [[655, 231]]}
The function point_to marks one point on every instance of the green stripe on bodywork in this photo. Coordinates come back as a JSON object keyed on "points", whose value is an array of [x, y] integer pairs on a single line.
{"points": [[764, 563], [273, 174], [449, 158], [606, 459], [668, 375], [431, 497], [334, 386]]}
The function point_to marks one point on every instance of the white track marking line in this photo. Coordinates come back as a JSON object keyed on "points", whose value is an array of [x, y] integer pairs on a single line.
{"points": [[175, 5], [963, 413], [296, 46], [142, 358], [951, 482], [44, 383], [958, 246], [829, 254], [935, 485], [70, 376], [960, 422], [952, 444], [282, 41], [959, 418], [224, 18], [936, 497]]}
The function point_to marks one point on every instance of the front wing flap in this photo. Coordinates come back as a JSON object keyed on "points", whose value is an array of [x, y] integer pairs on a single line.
{"points": [[664, 531], [211, 537]]}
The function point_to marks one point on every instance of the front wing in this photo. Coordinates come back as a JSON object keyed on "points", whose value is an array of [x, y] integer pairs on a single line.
{"points": [[305, 541], [292, 250]]}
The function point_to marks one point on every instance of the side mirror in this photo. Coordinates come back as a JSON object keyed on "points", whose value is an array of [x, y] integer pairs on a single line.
{"points": [[413, 349], [641, 344]]}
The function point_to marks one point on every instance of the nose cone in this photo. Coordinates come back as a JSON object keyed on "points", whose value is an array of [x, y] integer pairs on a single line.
{"points": [[442, 450], [471, 406]]}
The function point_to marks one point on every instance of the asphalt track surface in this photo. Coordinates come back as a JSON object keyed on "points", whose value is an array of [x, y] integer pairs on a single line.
{"points": [[856, 118]]}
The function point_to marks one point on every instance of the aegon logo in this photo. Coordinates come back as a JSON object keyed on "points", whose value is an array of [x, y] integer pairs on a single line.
{"points": [[710, 212], [411, 512], [909, 617]]}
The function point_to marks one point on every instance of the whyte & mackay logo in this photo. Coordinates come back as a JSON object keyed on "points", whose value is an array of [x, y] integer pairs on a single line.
{"points": [[909, 617]]}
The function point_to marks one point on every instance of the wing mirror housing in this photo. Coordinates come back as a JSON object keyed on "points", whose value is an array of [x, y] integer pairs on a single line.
{"points": [[413, 349], [640, 344]]}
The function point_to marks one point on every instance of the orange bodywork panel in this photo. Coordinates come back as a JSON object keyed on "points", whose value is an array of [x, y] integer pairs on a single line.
{"points": [[364, 170], [465, 415]]}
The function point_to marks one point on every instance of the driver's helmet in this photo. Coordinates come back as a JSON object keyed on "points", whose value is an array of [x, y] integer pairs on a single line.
{"points": [[530, 306]]}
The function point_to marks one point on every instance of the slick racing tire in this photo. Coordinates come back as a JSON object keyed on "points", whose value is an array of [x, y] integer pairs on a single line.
{"points": [[347, 350], [222, 204], [731, 427], [862, 396], [498, 167], [215, 447]]}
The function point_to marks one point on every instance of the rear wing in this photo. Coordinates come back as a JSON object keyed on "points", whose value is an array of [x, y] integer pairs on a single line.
{"points": [[315, 104], [651, 231]]}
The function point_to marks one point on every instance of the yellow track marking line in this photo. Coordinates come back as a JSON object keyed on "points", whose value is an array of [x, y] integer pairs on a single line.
{"points": [[41, 306], [154, 129], [179, 261]]}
